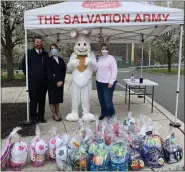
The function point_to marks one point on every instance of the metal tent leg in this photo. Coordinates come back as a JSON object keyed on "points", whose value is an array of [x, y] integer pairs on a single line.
{"points": [[174, 123], [27, 122]]}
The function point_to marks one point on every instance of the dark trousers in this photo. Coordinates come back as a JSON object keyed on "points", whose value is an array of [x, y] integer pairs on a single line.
{"points": [[105, 96], [37, 94]]}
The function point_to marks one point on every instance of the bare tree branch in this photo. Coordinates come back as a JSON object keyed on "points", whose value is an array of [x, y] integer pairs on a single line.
{"points": [[17, 43], [13, 25], [2, 35], [3, 42]]}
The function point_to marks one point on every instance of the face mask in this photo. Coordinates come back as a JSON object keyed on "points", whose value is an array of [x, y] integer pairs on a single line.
{"points": [[104, 52], [54, 52]]}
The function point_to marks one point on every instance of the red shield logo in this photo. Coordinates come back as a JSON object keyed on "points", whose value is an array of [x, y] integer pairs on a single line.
{"points": [[101, 4]]}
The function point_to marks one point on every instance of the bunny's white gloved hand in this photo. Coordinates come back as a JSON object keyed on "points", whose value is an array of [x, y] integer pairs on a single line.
{"points": [[75, 62], [88, 60]]}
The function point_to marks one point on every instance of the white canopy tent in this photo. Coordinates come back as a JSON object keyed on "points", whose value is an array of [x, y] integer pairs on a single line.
{"points": [[116, 22]]}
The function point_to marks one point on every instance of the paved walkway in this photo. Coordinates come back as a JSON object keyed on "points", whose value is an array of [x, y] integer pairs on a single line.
{"points": [[161, 115]]}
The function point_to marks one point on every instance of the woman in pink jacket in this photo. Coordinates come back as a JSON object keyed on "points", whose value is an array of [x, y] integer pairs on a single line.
{"points": [[106, 82]]}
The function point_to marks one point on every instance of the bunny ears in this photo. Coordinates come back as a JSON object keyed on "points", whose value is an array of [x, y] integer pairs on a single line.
{"points": [[75, 33]]}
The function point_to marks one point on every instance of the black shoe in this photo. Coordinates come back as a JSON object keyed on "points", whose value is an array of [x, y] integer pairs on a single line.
{"points": [[101, 117], [37, 122], [34, 120], [58, 120], [42, 121]]}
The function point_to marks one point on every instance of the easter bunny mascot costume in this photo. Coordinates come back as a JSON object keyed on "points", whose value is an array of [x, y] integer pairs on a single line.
{"points": [[82, 63]]}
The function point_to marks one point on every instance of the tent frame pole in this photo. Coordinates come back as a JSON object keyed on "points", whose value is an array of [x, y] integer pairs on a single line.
{"points": [[142, 59], [142, 54], [175, 124], [27, 122]]}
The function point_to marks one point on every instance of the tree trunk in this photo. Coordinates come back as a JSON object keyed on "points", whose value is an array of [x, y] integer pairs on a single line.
{"points": [[10, 74], [10, 71], [169, 62]]}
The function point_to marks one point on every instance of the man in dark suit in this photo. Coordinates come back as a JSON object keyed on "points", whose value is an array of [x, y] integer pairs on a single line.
{"points": [[37, 79]]}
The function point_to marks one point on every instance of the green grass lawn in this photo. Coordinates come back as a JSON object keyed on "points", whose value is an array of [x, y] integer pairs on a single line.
{"points": [[174, 71], [123, 67], [17, 76]]}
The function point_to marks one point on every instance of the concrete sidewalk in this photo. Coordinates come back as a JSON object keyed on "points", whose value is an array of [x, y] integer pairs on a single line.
{"points": [[161, 115]]}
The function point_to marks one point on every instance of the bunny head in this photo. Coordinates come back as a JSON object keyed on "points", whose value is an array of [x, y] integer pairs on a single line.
{"points": [[82, 44]]}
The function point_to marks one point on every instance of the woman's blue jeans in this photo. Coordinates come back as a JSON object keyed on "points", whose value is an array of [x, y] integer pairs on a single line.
{"points": [[105, 96]]}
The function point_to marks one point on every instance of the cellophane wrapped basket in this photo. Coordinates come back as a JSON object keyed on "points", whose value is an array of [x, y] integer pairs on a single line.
{"points": [[172, 149]]}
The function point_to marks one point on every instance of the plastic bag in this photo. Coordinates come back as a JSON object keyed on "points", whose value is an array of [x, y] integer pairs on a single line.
{"points": [[119, 156], [98, 157], [108, 132], [89, 138], [98, 153], [98, 128], [172, 149], [62, 153], [61, 157], [79, 158], [136, 125], [116, 126], [151, 149], [135, 160], [5, 155], [123, 134], [38, 150], [77, 137], [82, 131], [133, 125], [6, 151], [18, 153], [129, 122], [54, 143], [79, 155], [74, 142], [136, 142], [135, 136]]}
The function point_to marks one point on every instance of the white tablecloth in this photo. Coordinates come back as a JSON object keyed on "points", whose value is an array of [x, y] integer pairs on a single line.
{"points": [[146, 82]]}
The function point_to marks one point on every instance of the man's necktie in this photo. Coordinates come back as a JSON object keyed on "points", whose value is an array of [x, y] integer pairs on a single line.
{"points": [[40, 53]]}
